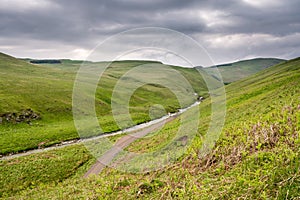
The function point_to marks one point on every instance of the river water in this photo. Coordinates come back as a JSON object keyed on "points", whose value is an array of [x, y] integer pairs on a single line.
{"points": [[78, 141]]}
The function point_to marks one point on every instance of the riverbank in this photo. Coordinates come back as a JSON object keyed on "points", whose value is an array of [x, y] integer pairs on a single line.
{"points": [[79, 141]]}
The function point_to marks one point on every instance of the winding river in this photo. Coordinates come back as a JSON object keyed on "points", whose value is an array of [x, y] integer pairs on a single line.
{"points": [[78, 141]]}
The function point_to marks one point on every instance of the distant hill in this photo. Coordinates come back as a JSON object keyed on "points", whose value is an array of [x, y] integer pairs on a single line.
{"points": [[235, 71]]}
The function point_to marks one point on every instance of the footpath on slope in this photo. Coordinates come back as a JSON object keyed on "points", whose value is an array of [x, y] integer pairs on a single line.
{"points": [[122, 143]]}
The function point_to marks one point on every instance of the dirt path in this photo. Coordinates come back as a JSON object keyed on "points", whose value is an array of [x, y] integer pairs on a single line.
{"points": [[122, 143]]}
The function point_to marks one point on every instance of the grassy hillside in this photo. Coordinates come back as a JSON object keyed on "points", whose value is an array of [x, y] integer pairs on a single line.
{"points": [[235, 71], [46, 90], [256, 157]]}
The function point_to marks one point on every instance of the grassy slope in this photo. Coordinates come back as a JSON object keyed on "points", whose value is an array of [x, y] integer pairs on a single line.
{"points": [[257, 156], [238, 70], [47, 89]]}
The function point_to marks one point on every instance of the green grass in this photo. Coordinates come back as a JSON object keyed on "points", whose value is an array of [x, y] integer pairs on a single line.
{"points": [[241, 69], [256, 157], [50, 167], [47, 90]]}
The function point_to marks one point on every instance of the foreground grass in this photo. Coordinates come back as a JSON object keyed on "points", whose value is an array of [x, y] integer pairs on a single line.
{"points": [[256, 157], [44, 168]]}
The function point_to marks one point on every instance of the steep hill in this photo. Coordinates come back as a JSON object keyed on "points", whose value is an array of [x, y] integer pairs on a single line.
{"points": [[235, 71]]}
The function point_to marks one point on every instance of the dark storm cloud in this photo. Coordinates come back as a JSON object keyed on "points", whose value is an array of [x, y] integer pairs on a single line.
{"points": [[279, 19], [223, 27]]}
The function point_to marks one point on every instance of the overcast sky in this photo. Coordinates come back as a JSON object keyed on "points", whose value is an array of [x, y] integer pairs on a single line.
{"points": [[229, 30]]}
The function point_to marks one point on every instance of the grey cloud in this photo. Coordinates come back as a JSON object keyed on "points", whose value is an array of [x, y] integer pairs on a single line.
{"points": [[82, 24], [279, 20]]}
